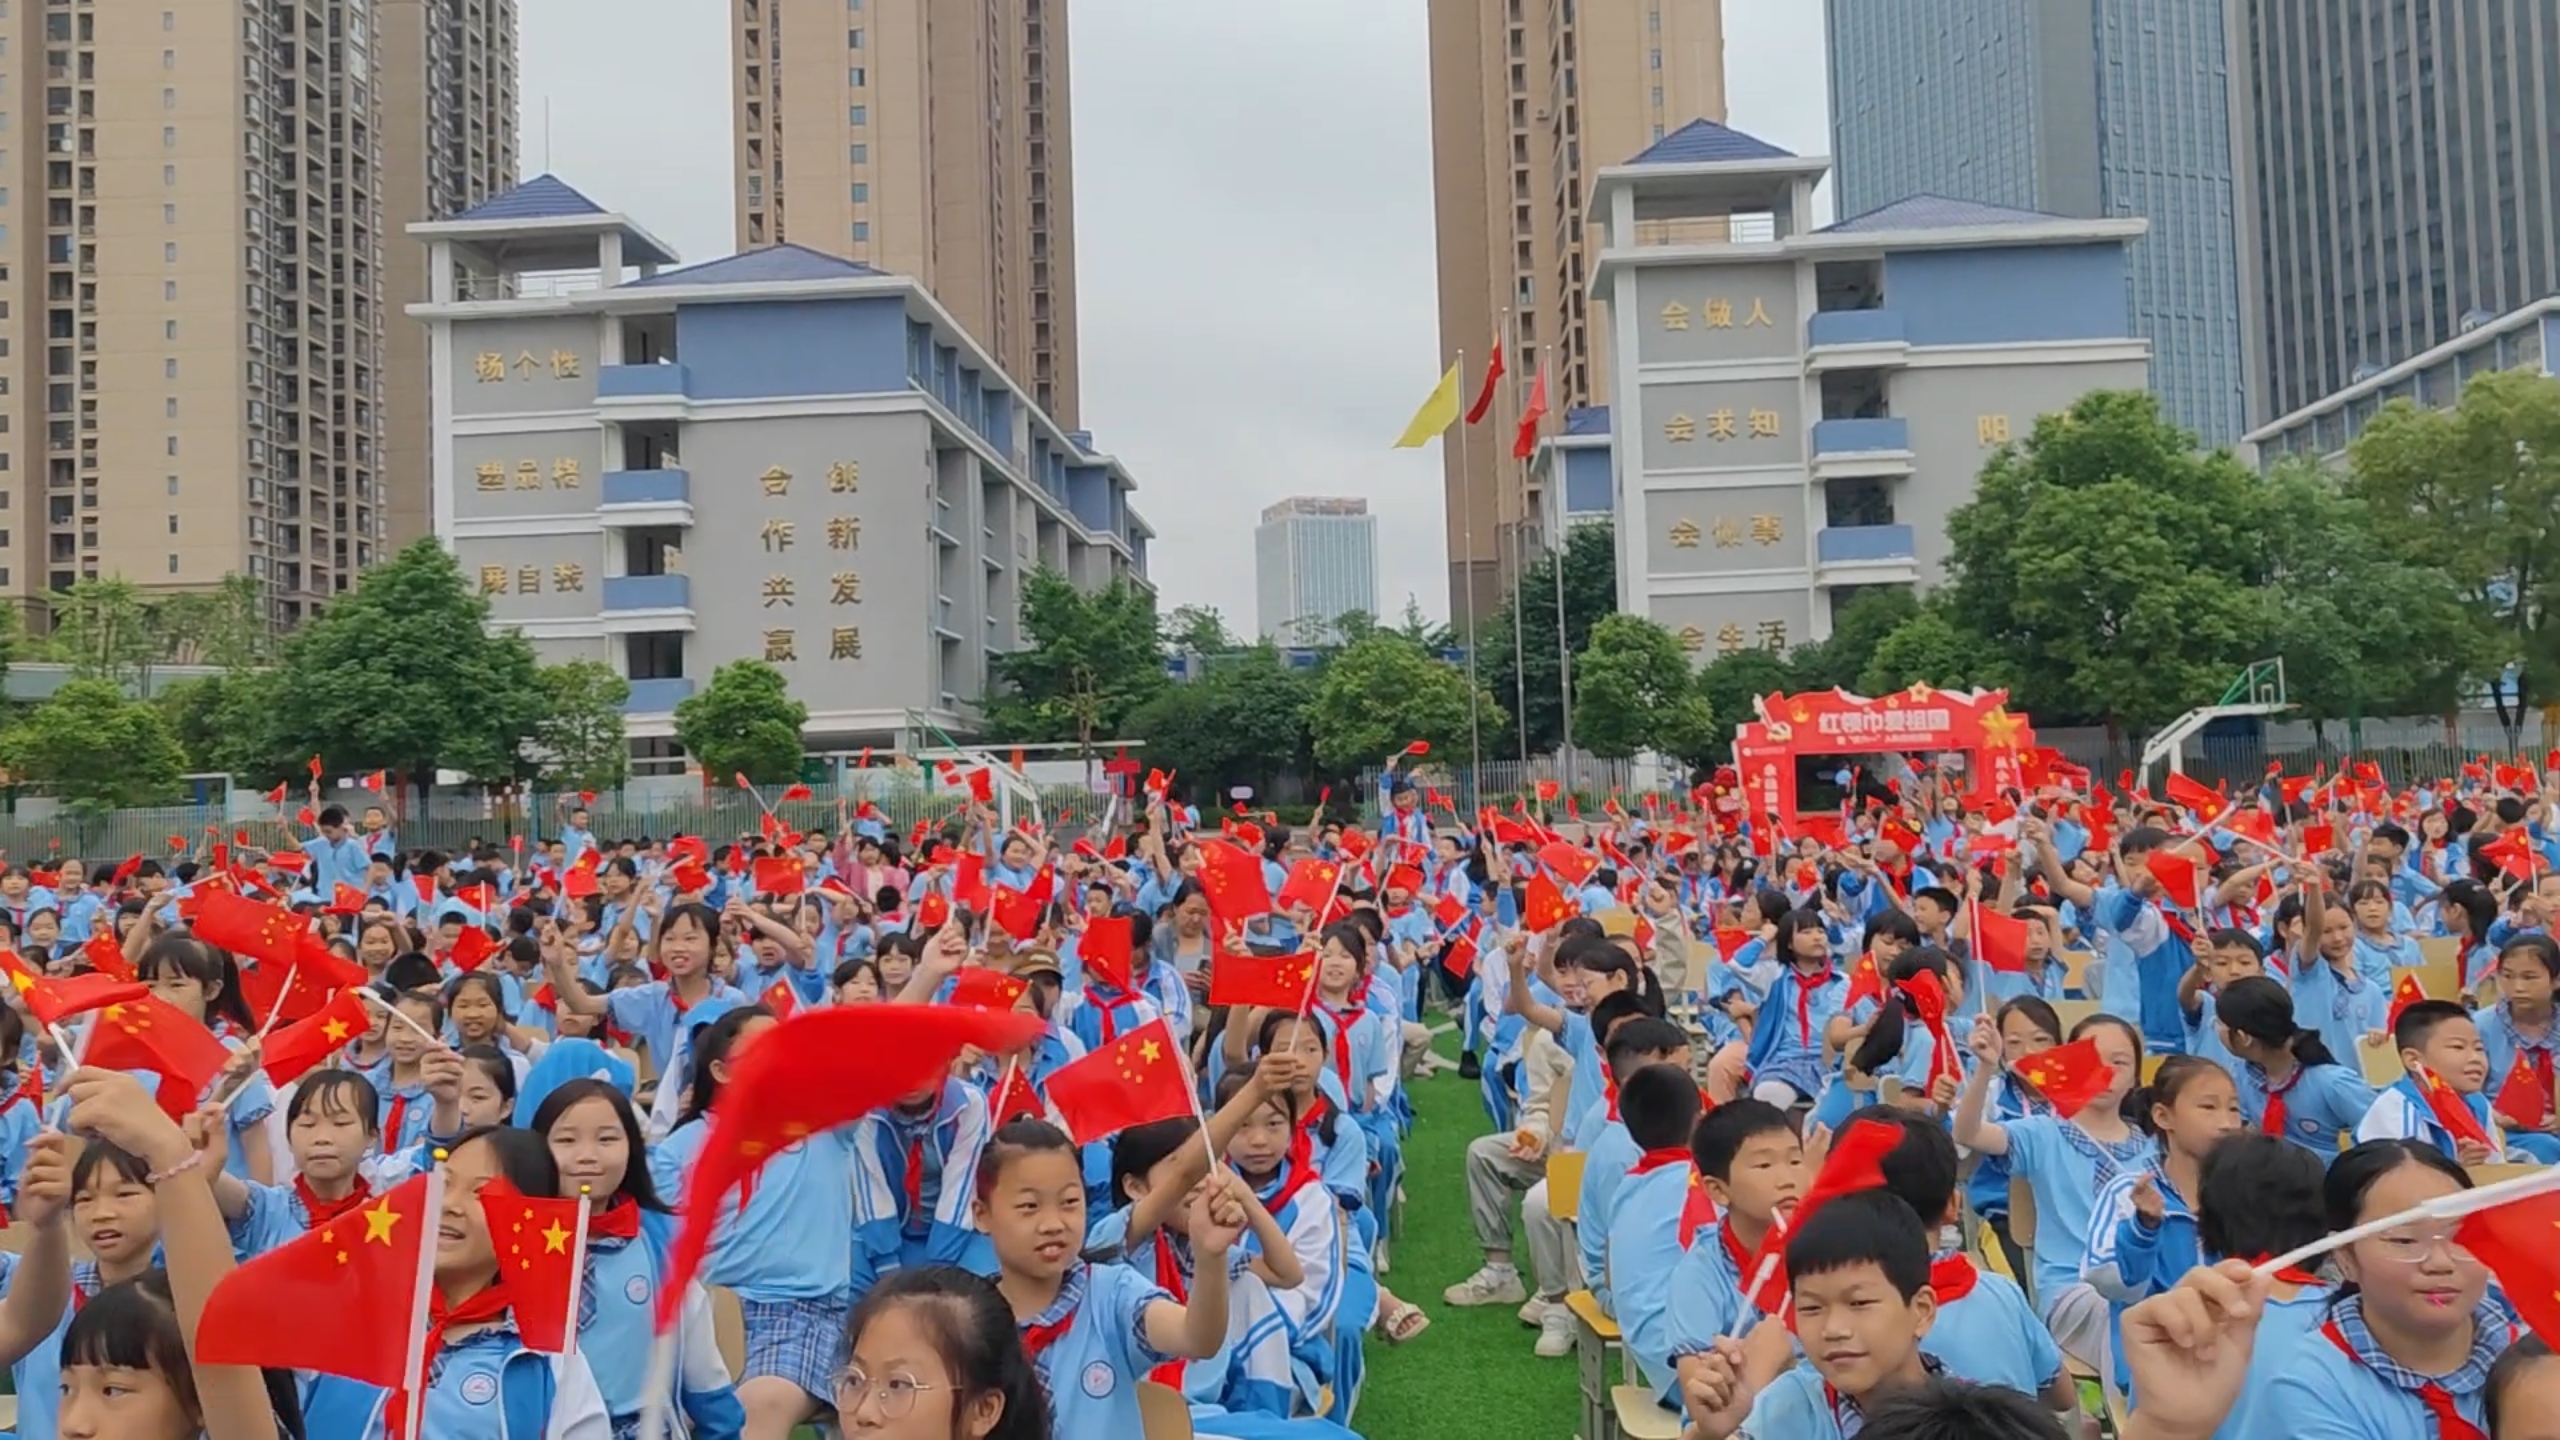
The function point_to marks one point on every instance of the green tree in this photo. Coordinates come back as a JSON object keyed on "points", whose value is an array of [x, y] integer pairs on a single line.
{"points": [[1732, 682], [1857, 628], [1243, 723], [403, 673], [2473, 493], [1422, 630], [1634, 692], [1929, 648], [227, 626], [1384, 692], [1198, 629], [1590, 592], [579, 737], [743, 723], [2110, 564], [102, 629], [95, 749], [1088, 661], [228, 722]]}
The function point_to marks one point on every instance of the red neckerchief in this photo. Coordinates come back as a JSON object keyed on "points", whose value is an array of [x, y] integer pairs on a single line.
{"points": [[1697, 1210], [2438, 1400], [1036, 1339], [1664, 1158], [1109, 1006], [324, 1211], [1805, 986], [1741, 1259], [1343, 1019], [618, 1220], [1929, 1002], [2272, 1122], [1953, 1278], [391, 1128], [2291, 1274], [489, 1304], [1169, 1277], [1609, 1090]]}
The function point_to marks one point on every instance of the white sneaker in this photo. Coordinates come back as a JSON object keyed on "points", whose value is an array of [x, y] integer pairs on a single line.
{"points": [[1492, 1285], [1555, 1334], [1378, 1256], [1536, 1310]]}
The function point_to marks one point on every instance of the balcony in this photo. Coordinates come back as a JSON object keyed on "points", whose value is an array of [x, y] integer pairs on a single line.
{"points": [[1861, 437], [634, 498], [657, 697], [1863, 544], [642, 382], [648, 592], [1855, 339]]}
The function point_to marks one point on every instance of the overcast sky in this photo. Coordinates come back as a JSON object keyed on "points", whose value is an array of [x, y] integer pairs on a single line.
{"points": [[1253, 222]]}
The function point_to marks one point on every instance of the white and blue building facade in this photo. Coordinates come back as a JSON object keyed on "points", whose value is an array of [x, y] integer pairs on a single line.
{"points": [[780, 455], [1792, 419], [2525, 339]]}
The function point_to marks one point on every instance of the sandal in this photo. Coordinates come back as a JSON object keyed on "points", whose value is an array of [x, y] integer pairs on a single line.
{"points": [[1402, 1323]]}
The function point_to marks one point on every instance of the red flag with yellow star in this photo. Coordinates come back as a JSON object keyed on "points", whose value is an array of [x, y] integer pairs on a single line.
{"points": [[2514, 1241], [542, 1254], [1543, 907], [815, 1071], [1232, 879], [365, 1272], [1135, 1080], [152, 1034], [53, 1001], [1312, 883], [1280, 981], [292, 1051], [2069, 1076], [249, 929]]}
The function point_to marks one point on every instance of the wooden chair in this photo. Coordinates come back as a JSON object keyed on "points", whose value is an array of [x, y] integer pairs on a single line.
{"points": [[1564, 1185], [1640, 1417], [2492, 1174], [2382, 1067], [1595, 1336], [2075, 970], [1166, 1414], [2441, 979], [2072, 1012]]}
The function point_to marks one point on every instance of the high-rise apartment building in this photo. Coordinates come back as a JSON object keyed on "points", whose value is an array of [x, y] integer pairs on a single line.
{"points": [[1314, 561], [2077, 108], [448, 83], [928, 140], [192, 352], [2400, 179], [1530, 99]]}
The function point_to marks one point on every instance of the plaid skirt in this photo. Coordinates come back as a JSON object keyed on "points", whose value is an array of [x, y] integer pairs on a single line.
{"points": [[801, 1341]]}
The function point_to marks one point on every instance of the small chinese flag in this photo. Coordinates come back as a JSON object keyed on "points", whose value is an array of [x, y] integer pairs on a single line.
{"points": [[375, 780], [969, 881], [978, 987], [1543, 906], [1014, 1100], [1311, 883], [982, 785], [276, 796], [367, 1270], [1418, 747], [689, 877], [1232, 879], [1282, 981], [798, 792], [472, 948], [2068, 1076], [2405, 992], [2514, 1241], [1103, 949], [106, 955], [1866, 978], [315, 767], [1730, 940], [2001, 940], [1448, 910], [780, 875], [781, 999], [54, 1001], [291, 1051], [932, 913], [2524, 1097], [1016, 913], [2188, 794], [2318, 840], [2450, 1109], [1547, 791], [2176, 874], [1459, 959], [1135, 1080], [2513, 853], [542, 1248], [1856, 1162], [1571, 863], [346, 900], [152, 1034], [301, 985]]}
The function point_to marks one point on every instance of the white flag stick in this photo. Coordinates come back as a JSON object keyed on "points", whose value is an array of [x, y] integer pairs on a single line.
{"points": [[2443, 1207]]}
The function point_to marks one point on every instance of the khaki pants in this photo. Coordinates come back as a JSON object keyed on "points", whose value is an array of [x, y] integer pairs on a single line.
{"points": [[1417, 1043], [1494, 1175]]}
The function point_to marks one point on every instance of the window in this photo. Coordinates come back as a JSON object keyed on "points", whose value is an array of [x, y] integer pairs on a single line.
{"points": [[173, 560], [173, 489], [859, 115], [168, 289], [168, 59], [168, 98], [173, 444], [170, 406], [853, 77], [173, 524], [168, 329], [168, 174], [853, 39], [861, 192], [168, 19], [861, 154], [1657, 60], [168, 137], [861, 230], [169, 368], [168, 214]]}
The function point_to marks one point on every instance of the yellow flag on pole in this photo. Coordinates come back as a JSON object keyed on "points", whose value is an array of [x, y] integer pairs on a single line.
{"points": [[1437, 414]]}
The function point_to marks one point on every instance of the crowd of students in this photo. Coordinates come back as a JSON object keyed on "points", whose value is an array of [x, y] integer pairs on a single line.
{"points": [[1810, 1079]]}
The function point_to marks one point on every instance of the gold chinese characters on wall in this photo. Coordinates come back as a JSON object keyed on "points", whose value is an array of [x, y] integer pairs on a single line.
{"points": [[1731, 637], [566, 577], [1992, 429], [783, 590], [844, 642], [493, 368], [1717, 313], [564, 473], [1722, 425], [1727, 533]]}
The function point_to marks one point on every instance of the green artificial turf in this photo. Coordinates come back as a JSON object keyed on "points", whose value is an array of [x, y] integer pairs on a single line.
{"points": [[1471, 1376]]}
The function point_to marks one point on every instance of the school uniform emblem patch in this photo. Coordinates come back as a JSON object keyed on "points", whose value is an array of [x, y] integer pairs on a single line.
{"points": [[636, 1289], [1098, 1379], [480, 1389]]}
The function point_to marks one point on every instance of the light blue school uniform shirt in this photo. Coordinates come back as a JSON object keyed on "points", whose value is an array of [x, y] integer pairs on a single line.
{"points": [[2146, 959], [616, 1308], [1992, 1337], [2320, 1101], [1642, 1254], [944, 1144], [649, 1013], [2129, 1260], [484, 1386], [1604, 1173], [1091, 1372], [337, 862], [1706, 1295], [2066, 1169], [1590, 1076], [1786, 1043], [2343, 1011], [2325, 1393], [1799, 1406], [38, 1374], [2378, 957], [792, 1237], [2284, 1327]]}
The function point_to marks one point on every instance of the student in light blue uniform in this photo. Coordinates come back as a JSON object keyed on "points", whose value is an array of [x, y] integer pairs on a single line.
{"points": [[937, 1352], [2142, 1230], [2260, 1197], [654, 1012], [36, 1284], [1634, 1043], [2519, 1032], [1362, 1052], [2290, 1085], [2027, 1024], [2146, 955], [785, 1246], [1786, 1056], [915, 1167], [1750, 1164], [598, 1147], [2342, 1382], [1093, 1332], [2332, 993], [338, 856], [1642, 1244], [203, 984], [330, 1130]]}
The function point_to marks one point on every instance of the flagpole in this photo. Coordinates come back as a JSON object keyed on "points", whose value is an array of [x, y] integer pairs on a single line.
{"points": [[1556, 547], [413, 1377], [1519, 665], [578, 1265], [1467, 599], [394, 1012]]}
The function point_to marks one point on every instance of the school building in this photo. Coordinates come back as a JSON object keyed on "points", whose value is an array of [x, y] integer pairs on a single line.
{"points": [[780, 455], [2523, 339], [1794, 412]]}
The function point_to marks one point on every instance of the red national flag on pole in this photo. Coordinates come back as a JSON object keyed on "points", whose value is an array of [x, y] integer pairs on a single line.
{"points": [[1103, 950], [291, 1051], [1866, 978], [2524, 1098], [977, 987], [2189, 794], [780, 875], [1014, 1099], [365, 1272], [152, 1034], [818, 1070], [1856, 1162], [1493, 373], [781, 999], [54, 1001], [2449, 1108], [1232, 879], [2514, 1241], [299, 987], [542, 1250], [1280, 982], [2513, 853], [1016, 913], [1525, 444], [1135, 1080], [2177, 875], [1311, 883], [1571, 863], [249, 929], [2405, 992], [1543, 906], [2069, 1076], [472, 948], [2001, 940]]}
